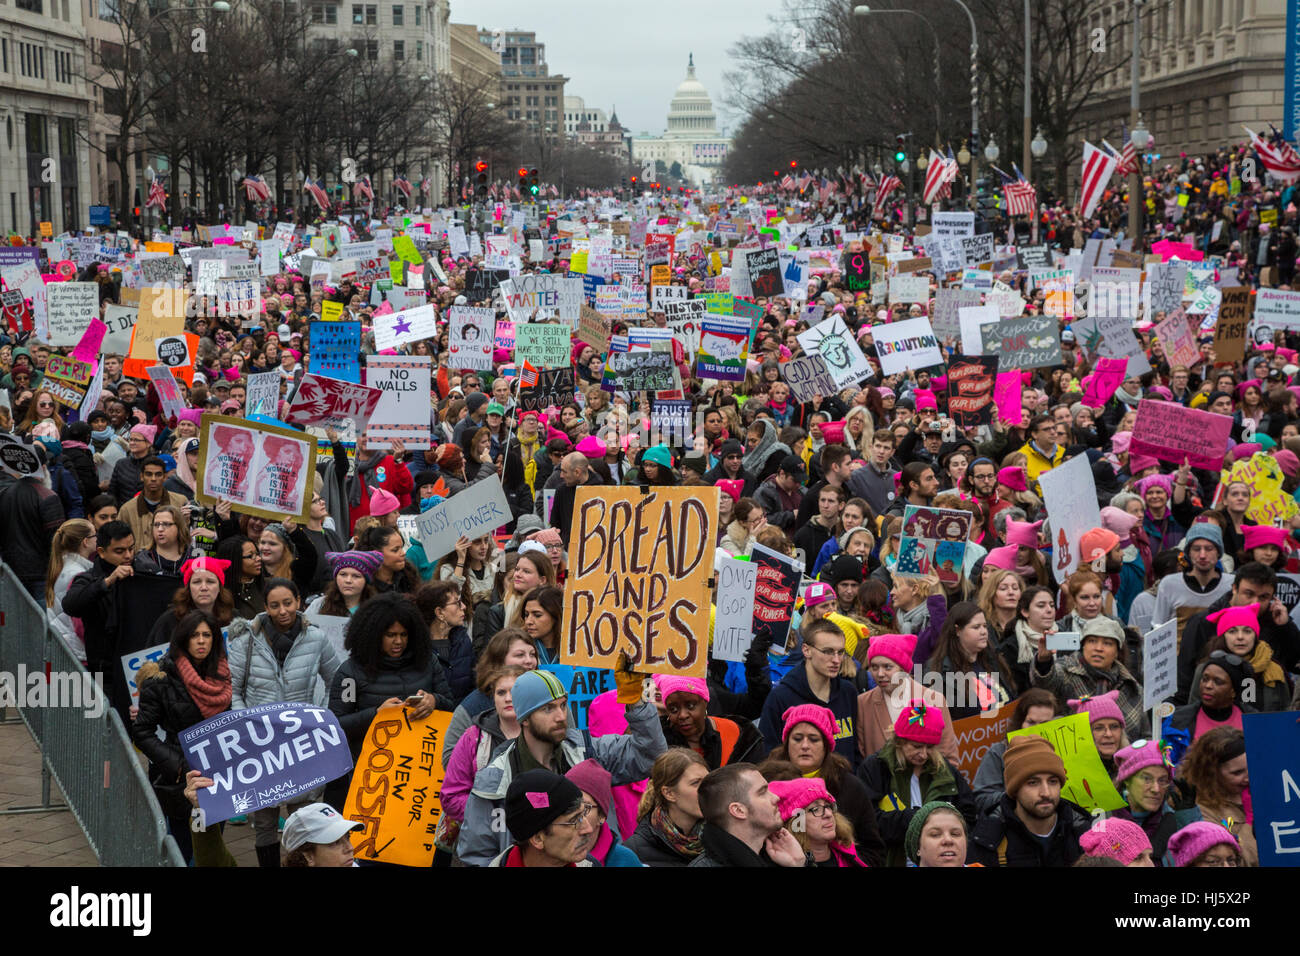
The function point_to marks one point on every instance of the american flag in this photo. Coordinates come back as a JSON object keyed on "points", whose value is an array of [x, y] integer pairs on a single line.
{"points": [[255, 188], [555, 193], [316, 189], [403, 185], [1022, 198], [787, 182], [804, 180], [528, 376], [1277, 155], [939, 174], [157, 194], [362, 188], [1128, 157], [1098, 164], [425, 185], [887, 185]]}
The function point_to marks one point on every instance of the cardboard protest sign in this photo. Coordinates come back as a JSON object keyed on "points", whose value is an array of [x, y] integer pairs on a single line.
{"points": [[834, 342], [953, 224], [262, 396], [1031, 342], [403, 409], [909, 344], [410, 325], [396, 790], [593, 328], [1230, 331], [976, 734], [733, 624], [1273, 756], [1159, 664], [554, 387], [336, 350], [643, 371], [640, 566], [724, 348], [260, 469], [907, 289], [1262, 474], [947, 302], [264, 756], [776, 585], [1172, 432], [971, 319], [329, 402], [542, 344], [1087, 783], [933, 542], [1070, 493], [70, 306], [469, 341], [808, 377], [534, 297], [479, 509], [970, 389]]}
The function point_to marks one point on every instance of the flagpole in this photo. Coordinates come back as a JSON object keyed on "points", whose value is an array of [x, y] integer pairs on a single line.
{"points": [[1135, 175]]}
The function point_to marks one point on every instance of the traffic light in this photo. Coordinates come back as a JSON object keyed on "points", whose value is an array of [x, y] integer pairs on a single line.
{"points": [[523, 179], [634, 182], [534, 186], [794, 164], [900, 153], [481, 178]]}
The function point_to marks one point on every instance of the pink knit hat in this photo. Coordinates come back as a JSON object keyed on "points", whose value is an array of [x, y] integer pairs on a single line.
{"points": [[1246, 615], [925, 399], [1138, 463], [732, 486], [795, 795], [897, 647], [1119, 522], [919, 722], [1139, 756], [833, 432], [1261, 534], [1003, 557], [1289, 462], [148, 431], [1101, 707], [819, 592], [1195, 838], [1120, 441], [1013, 478], [670, 684], [383, 502], [592, 447], [1118, 839], [1023, 533], [820, 717], [1246, 449]]}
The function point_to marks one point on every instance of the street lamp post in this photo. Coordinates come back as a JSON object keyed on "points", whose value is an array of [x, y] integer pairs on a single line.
{"points": [[1026, 153], [974, 106], [1135, 177]]}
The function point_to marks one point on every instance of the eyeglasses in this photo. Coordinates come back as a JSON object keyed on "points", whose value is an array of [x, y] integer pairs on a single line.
{"points": [[826, 652], [1147, 780], [164, 524], [1232, 659], [820, 809], [582, 817]]}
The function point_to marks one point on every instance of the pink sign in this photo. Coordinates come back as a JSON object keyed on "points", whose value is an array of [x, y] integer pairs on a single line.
{"points": [[329, 401], [1178, 339], [1101, 384], [1166, 249], [1006, 395], [92, 339], [1170, 432]]}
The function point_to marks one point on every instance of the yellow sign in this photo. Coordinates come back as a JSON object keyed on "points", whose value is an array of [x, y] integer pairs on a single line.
{"points": [[161, 314], [331, 311], [396, 790], [1086, 782], [47, 230], [660, 275], [166, 247], [578, 262], [1267, 216], [404, 247], [1263, 476]]}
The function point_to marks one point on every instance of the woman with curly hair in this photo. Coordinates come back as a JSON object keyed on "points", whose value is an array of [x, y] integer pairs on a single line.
{"points": [[1215, 767]]}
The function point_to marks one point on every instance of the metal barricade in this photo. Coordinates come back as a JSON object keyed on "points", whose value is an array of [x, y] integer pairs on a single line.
{"points": [[84, 748]]}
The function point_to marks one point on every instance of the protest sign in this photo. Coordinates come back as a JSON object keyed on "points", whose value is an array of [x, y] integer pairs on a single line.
{"points": [[1031, 342], [16, 459], [264, 756], [971, 320], [555, 387], [1178, 339], [905, 345], [134, 660], [1279, 308], [1111, 336], [1087, 784], [977, 250], [953, 224], [168, 393], [399, 328], [1034, 258], [947, 302], [70, 307], [396, 789], [640, 565], [69, 369], [329, 402], [670, 420], [262, 396], [764, 269], [542, 344], [535, 297], [975, 735], [908, 289], [261, 469], [643, 371], [933, 542], [1058, 284], [479, 509], [834, 342], [1172, 432], [583, 684], [151, 325], [1159, 664], [733, 625], [1230, 331], [403, 409], [1100, 384], [724, 348], [17, 314], [970, 389], [1070, 493], [857, 272], [808, 377], [1273, 756], [593, 328], [336, 350], [776, 584], [1262, 474]]}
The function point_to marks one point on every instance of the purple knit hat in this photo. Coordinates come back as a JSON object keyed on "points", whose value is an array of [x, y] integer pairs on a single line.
{"points": [[820, 717], [1195, 838], [367, 562], [1118, 839], [1099, 707]]}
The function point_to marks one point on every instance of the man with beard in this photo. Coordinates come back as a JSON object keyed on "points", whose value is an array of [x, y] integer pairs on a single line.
{"points": [[549, 821], [731, 465], [1031, 825], [742, 822]]}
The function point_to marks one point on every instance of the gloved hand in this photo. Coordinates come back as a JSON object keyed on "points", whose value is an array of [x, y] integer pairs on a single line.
{"points": [[629, 682]]}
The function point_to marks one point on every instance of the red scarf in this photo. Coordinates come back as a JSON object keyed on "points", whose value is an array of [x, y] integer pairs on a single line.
{"points": [[211, 696]]}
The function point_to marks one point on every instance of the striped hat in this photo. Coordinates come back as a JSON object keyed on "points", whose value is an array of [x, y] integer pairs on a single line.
{"points": [[536, 689]]}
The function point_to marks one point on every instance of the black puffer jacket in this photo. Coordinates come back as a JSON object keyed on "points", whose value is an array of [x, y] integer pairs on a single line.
{"points": [[165, 703], [1000, 839], [80, 461], [355, 696], [652, 849], [747, 748]]}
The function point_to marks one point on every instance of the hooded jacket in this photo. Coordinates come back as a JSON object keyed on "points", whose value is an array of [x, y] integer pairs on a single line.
{"points": [[257, 677], [793, 690], [627, 757], [779, 506], [31, 514]]}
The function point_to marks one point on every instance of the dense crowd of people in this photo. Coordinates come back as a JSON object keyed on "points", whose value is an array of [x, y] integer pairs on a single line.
{"points": [[828, 748]]}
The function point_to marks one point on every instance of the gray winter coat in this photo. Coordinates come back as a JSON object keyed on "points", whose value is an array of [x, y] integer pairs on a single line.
{"points": [[627, 757], [256, 676]]}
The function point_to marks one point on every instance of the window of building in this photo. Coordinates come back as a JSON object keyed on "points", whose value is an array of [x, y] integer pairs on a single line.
{"points": [[31, 6], [324, 13], [419, 49], [417, 14], [372, 49], [399, 49], [399, 17], [4, 55], [372, 15], [66, 15], [36, 130], [358, 14]]}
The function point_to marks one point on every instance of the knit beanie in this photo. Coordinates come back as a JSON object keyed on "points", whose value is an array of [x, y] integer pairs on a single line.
{"points": [[590, 777], [670, 684], [535, 689], [1119, 522], [920, 723], [536, 799], [383, 502], [1118, 839], [897, 647], [732, 486], [1257, 535], [1003, 557], [475, 400], [817, 593], [795, 795], [1096, 543], [1023, 533], [1140, 755], [450, 458], [912, 839], [1024, 757], [1102, 707], [1204, 531], [1246, 615], [1013, 478], [366, 562], [1195, 838], [823, 718]]}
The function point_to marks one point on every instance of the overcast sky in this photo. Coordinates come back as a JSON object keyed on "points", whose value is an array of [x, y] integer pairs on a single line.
{"points": [[615, 57]]}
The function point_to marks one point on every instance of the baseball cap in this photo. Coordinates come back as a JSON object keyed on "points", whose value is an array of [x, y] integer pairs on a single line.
{"points": [[315, 823], [792, 466]]}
